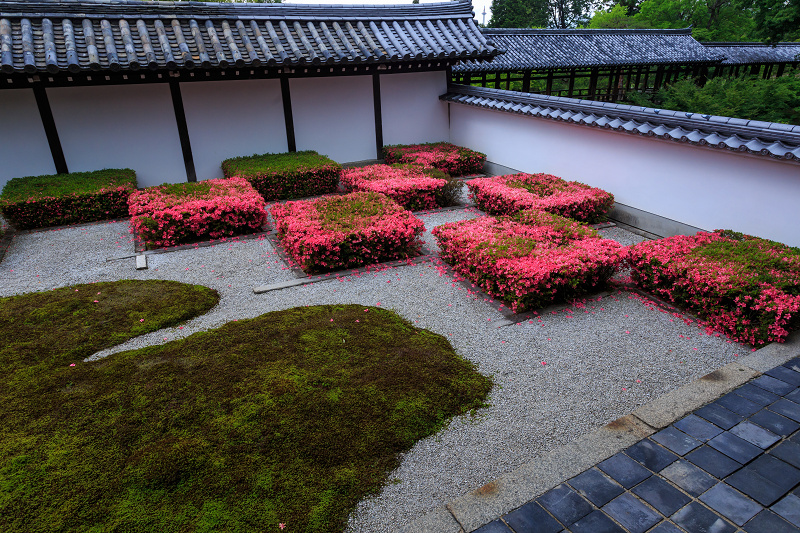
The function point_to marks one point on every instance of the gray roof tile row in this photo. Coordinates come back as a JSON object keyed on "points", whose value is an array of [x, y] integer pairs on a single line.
{"points": [[779, 141], [528, 49], [81, 35], [752, 53]]}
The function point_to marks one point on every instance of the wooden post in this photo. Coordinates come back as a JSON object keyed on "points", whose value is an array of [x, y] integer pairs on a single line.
{"points": [[549, 86], [287, 114], [50, 131], [592, 92], [376, 104], [526, 81], [659, 78], [183, 129], [781, 66], [571, 83]]}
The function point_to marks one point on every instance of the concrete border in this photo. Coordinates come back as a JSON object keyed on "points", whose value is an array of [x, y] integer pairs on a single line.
{"points": [[654, 225], [479, 507]]}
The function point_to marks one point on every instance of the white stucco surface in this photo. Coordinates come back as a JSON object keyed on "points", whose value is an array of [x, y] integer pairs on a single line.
{"points": [[411, 111], [24, 150], [334, 116], [702, 187], [232, 118], [120, 126]]}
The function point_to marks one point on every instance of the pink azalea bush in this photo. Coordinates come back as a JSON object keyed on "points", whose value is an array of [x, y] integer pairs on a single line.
{"points": [[61, 199], [412, 186], [455, 160], [286, 175], [168, 215], [346, 231], [529, 259], [743, 286], [504, 195]]}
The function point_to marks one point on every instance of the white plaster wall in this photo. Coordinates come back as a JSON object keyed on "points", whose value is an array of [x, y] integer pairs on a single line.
{"points": [[411, 111], [23, 145], [120, 126], [232, 118], [334, 116], [702, 187]]}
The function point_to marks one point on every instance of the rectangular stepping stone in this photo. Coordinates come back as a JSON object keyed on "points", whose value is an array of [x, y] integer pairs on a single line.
{"points": [[141, 262], [532, 517], [755, 435], [779, 472], [737, 404], [666, 527], [698, 428], [757, 394], [494, 527], [757, 487], [784, 374], [734, 447], [676, 440], [695, 517], [731, 503], [565, 504], [716, 414], [789, 452], [689, 477], [665, 498], [786, 408], [794, 364], [634, 515], [715, 463], [794, 396], [596, 487], [596, 522], [789, 509], [775, 386], [651, 455], [624, 470], [768, 522], [780, 425]]}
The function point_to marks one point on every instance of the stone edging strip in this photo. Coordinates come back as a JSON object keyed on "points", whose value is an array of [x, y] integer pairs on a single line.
{"points": [[512, 490]]}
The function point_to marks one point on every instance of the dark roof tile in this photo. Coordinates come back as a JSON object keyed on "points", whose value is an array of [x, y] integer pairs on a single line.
{"points": [[751, 53]]}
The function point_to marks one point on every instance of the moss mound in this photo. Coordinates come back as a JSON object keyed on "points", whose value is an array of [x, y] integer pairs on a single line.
{"points": [[290, 417]]}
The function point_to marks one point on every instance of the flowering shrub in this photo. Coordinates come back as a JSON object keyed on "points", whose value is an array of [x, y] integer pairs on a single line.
{"points": [[743, 286], [346, 231], [288, 175], [168, 215], [529, 259], [504, 195], [455, 160], [412, 186], [61, 199]]}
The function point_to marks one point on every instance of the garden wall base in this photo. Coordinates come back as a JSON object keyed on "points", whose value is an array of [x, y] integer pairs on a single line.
{"points": [[650, 222]]}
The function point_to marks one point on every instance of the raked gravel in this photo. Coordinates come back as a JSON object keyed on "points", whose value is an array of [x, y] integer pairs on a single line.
{"points": [[557, 376]]}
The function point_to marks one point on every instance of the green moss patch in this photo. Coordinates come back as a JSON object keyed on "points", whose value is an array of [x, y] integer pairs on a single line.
{"points": [[290, 417]]}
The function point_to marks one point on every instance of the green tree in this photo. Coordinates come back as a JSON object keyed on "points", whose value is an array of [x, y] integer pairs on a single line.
{"points": [[776, 20], [618, 17], [519, 14]]}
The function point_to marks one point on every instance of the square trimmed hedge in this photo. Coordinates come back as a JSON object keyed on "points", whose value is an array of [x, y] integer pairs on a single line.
{"points": [[62, 199], [287, 175], [169, 215], [346, 231], [447, 157], [529, 259], [412, 186], [504, 195], [743, 286]]}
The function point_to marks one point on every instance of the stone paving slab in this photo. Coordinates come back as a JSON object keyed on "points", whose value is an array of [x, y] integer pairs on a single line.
{"points": [[718, 454]]}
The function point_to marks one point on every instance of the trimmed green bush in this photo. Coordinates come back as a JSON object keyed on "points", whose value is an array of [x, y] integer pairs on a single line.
{"points": [[288, 175], [61, 199]]}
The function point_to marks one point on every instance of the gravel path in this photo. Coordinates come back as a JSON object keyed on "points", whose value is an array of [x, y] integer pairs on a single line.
{"points": [[557, 376]]}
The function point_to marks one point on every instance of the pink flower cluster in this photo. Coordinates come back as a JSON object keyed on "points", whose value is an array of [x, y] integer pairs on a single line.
{"points": [[503, 195], [455, 160], [743, 286], [40, 212], [346, 231], [219, 208], [408, 186], [530, 259]]}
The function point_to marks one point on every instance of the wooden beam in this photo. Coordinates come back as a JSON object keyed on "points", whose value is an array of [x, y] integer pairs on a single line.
{"points": [[183, 129], [376, 104], [50, 131], [287, 114]]}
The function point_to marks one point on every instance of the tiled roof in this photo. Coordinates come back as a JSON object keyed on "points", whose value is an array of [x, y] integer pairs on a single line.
{"points": [[75, 35], [749, 53], [527, 49], [780, 141]]}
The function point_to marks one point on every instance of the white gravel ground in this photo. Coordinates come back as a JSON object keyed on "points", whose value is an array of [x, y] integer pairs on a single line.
{"points": [[557, 376]]}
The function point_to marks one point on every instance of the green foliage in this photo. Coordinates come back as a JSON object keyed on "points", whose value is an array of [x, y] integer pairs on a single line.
{"points": [[618, 18], [60, 199], [771, 100], [776, 20], [286, 175], [290, 417], [539, 13]]}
